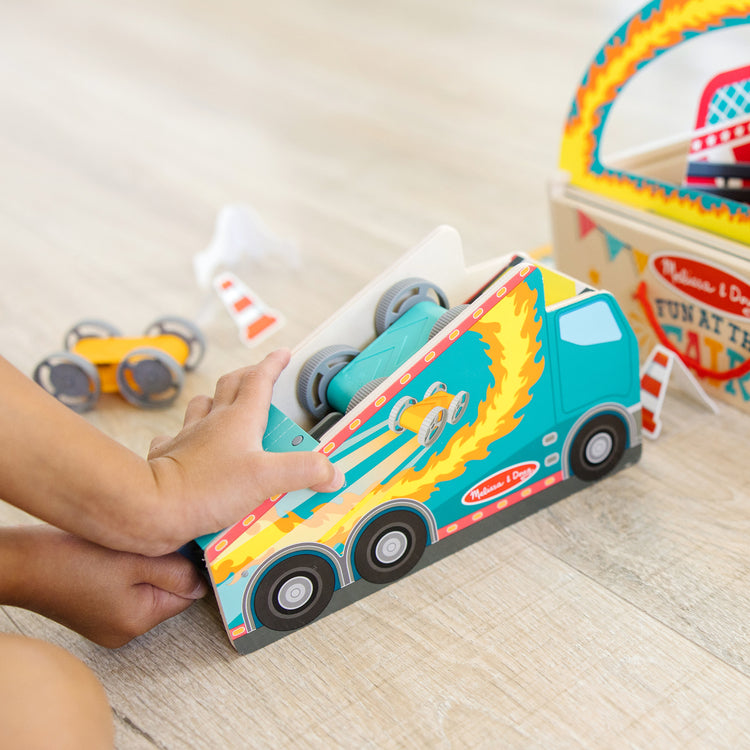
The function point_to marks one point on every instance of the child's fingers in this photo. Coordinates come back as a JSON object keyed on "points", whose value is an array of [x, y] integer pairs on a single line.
{"points": [[258, 385], [174, 574], [165, 605], [158, 444], [197, 408], [285, 472], [255, 382]]}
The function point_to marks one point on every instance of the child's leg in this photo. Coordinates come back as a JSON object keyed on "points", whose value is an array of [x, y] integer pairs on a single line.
{"points": [[50, 699]]}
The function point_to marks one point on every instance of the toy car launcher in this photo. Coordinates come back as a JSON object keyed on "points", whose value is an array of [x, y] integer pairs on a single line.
{"points": [[666, 228], [448, 422]]}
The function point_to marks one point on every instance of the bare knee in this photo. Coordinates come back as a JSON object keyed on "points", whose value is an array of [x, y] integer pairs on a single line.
{"points": [[48, 698]]}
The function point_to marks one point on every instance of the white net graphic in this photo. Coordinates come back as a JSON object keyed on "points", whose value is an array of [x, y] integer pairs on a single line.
{"points": [[729, 102]]}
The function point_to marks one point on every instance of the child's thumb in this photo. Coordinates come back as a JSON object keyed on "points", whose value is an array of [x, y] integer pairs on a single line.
{"points": [[285, 472]]}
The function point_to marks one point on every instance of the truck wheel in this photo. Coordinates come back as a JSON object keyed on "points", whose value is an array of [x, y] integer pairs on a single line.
{"points": [[294, 592], [390, 546], [598, 447], [149, 378], [402, 296], [71, 379], [89, 329], [187, 331], [317, 373]]}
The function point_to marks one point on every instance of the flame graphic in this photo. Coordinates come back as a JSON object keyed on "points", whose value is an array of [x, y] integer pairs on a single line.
{"points": [[510, 335], [659, 27]]}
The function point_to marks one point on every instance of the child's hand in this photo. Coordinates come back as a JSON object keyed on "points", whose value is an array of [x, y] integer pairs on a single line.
{"points": [[215, 470], [108, 597], [60, 468]]}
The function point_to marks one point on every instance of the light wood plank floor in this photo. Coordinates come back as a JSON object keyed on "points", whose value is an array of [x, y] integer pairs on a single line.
{"points": [[616, 618]]}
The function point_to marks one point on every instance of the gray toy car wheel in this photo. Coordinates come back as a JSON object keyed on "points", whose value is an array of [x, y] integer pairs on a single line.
{"points": [[89, 329], [447, 317], [71, 379], [187, 331], [402, 296], [149, 378], [317, 373]]}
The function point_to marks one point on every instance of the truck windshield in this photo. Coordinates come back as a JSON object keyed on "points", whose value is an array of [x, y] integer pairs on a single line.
{"points": [[589, 325]]}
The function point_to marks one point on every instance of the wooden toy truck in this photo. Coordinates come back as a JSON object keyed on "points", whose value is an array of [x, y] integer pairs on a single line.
{"points": [[448, 423]]}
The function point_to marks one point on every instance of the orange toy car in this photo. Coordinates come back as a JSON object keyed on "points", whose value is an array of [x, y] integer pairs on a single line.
{"points": [[146, 370]]}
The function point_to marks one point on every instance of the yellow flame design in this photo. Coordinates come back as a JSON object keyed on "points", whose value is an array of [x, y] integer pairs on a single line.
{"points": [[510, 332]]}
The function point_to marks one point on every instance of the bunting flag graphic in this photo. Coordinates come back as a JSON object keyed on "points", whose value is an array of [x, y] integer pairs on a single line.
{"points": [[614, 244], [585, 224]]}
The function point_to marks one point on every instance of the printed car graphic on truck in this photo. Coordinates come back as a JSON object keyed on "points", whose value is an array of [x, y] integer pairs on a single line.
{"points": [[521, 395]]}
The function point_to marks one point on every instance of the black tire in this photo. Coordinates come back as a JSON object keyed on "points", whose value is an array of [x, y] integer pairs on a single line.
{"points": [[598, 447], [390, 546], [294, 592]]}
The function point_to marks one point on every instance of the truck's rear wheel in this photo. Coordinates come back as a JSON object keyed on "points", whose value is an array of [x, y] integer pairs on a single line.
{"points": [[294, 592], [598, 447]]}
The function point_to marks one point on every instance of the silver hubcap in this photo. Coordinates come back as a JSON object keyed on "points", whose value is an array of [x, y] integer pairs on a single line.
{"points": [[296, 592], [391, 547], [599, 447]]}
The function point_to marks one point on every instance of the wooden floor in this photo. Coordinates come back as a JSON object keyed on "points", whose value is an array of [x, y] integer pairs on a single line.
{"points": [[617, 618]]}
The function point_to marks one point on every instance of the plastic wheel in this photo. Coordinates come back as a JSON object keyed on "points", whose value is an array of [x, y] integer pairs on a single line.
{"points": [[402, 296], [187, 331], [71, 379], [89, 329], [294, 592], [363, 393], [390, 546], [447, 317], [598, 447], [317, 373], [149, 378]]}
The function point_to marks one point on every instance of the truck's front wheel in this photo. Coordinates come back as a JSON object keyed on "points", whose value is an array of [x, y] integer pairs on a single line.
{"points": [[390, 546], [598, 447]]}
